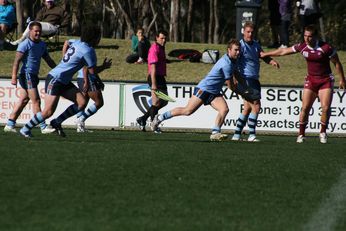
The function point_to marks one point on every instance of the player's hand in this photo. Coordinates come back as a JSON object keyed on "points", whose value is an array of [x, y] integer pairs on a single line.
{"points": [[342, 84], [107, 63], [234, 83], [274, 63], [14, 82], [85, 86]]}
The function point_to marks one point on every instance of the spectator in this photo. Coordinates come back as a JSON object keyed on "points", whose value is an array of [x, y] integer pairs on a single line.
{"points": [[275, 21], [140, 47], [51, 18], [309, 13], [285, 10], [7, 18]]}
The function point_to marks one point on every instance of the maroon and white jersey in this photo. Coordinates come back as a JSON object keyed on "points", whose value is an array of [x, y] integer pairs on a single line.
{"points": [[317, 58]]}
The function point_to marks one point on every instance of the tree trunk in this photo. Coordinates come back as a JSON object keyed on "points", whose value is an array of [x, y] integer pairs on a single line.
{"points": [[189, 22], [19, 13], [129, 25], [174, 24], [211, 19], [216, 22]]}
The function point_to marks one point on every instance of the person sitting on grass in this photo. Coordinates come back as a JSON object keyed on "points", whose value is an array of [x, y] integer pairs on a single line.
{"points": [[140, 47]]}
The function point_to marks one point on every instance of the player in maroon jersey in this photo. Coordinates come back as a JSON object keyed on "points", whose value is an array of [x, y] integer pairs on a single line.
{"points": [[319, 81]]}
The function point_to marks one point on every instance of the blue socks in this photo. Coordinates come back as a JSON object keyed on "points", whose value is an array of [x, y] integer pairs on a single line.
{"points": [[252, 124], [241, 122], [83, 115], [35, 120]]}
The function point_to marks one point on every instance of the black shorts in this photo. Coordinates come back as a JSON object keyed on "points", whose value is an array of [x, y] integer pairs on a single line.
{"points": [[160, 82], [28, 81], [54, 87], [205, 96], [93, 86]]}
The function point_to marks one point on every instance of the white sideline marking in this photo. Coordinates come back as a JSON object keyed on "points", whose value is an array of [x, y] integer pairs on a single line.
{"points": [[331, 209]]}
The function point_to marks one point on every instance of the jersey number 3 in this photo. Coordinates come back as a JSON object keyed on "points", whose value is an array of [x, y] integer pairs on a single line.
{"points": [[68, 54]]}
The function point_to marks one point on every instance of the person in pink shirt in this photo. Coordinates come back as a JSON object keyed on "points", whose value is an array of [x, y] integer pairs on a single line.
{"points": [[156, 78], [319, 81]]}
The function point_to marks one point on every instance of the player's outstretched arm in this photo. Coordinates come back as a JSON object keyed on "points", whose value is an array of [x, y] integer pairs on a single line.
{"points": [[277, 52]]}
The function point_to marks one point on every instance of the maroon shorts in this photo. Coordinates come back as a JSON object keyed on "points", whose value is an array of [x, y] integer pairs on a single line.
{"points": [[315, 83]]}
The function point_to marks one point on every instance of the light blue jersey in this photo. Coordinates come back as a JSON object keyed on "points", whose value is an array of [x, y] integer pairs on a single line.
{"points": [[215, 79], [33, 51], [80, 72], [78, 55], [248, 61]]}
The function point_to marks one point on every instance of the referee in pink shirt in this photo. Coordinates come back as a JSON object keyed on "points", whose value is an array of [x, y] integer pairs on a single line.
{"points": [[156, 78]]}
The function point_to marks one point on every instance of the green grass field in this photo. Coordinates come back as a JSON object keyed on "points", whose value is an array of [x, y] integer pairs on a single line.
{"points": [[128, 180]]}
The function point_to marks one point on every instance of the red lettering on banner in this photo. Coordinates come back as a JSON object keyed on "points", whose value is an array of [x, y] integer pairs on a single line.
{"points": [[3, 115]]}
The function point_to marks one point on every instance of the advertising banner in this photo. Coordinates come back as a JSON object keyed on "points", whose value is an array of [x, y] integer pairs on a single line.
{"points": [[107, 116], [279, 112]]}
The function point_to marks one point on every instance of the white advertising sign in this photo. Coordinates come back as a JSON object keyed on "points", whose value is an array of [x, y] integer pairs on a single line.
{"points": [[107, 116], [124, 102], [279, 112]]}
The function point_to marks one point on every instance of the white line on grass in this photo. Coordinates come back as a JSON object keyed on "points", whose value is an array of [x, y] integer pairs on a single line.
{"points": [[331, 209]]}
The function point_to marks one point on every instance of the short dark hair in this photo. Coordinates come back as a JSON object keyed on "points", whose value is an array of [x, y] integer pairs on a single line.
{"points": [[35, 23], [91, 34], [161, 32], [249, 24], [312, 29], [232, 42]]}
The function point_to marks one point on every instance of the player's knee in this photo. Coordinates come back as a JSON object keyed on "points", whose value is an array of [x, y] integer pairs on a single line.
{"points": [[225, 111], [47, 113], [24, 101], [188, 111]]}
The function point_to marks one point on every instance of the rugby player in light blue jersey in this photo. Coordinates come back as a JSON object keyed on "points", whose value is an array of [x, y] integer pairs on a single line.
{"points": [[29, 52], [208, 91], [249, 68], [94, 91], [58, 82]]}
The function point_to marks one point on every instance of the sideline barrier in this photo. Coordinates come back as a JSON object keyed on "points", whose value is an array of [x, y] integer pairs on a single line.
{"points": [[124, 102]]}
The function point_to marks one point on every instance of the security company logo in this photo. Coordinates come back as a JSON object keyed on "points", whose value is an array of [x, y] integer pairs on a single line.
{"points": [[142, 97]]}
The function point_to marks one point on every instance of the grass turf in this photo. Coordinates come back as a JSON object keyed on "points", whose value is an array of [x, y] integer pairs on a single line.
{"points": [[128, 180]]}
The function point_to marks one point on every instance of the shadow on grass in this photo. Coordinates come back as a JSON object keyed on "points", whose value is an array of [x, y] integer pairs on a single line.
{"points": [[107, 47]]}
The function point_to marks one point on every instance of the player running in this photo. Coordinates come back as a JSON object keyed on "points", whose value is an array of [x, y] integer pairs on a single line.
{"points": [[319, 81], [58, 82], [94, 91], [29, 52], [208, 92]]}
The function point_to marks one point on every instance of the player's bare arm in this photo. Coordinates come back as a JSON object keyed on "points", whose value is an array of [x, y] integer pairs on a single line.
{"points": [[17, 60], [277, 52], [339, 70], [65, 47]]}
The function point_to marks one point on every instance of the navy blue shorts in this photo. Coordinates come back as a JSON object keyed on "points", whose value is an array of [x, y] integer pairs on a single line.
{"points": [[28, 81], [254, 84], [93, 86], [205, 96], [54, 87]]}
